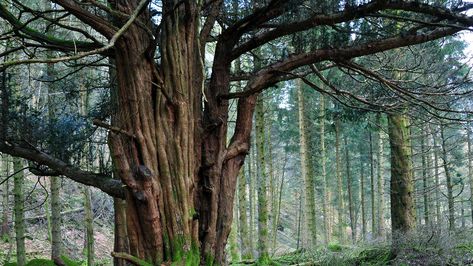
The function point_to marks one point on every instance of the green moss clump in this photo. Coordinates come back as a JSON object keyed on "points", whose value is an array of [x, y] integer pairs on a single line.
{"points": [[334, 247], [182, 256], [40, 262], [70, 262], [374, 256]]}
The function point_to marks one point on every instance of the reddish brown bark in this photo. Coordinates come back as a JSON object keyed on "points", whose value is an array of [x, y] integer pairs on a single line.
{"points": [[171, 155]]}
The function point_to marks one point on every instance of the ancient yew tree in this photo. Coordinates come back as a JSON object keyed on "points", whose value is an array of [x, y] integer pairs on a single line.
{"points": [[169, 122]]}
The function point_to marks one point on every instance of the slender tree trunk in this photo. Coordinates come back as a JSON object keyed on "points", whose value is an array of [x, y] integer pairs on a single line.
{"points": [[438, 213], [323, 170], [233, 242], [372, 191], [55, 181], [451, 206], [338, 166], [417, 207], [380, 180], [5, 170], [120, 239], [278, 213], [273, 183], [89, 215], [263, 236], [362, 193], [424, 176], [402, 185], [18, 181], [430, 173], [89, 226], [462, 213], [299, 219], [246, 251], [470, 168], [306, 171], [56, 218], [4, 118], [350, 195], [251, 201]]}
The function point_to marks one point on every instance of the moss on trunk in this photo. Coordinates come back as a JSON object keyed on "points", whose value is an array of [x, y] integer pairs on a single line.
{"points": [[402, 185]]}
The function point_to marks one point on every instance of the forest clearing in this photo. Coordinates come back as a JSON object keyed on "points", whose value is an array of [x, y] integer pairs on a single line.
{"points": [[236, 132]]}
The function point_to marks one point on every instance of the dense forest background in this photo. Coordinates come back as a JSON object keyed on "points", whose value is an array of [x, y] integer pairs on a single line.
{"points": [[285, 133]]}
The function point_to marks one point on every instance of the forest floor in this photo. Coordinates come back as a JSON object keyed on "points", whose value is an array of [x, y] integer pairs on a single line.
{"points": [[39, 247], [423, 247], [434, 247]]}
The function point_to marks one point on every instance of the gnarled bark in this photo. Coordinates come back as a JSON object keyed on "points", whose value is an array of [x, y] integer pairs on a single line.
{"points": [[173, 155]]}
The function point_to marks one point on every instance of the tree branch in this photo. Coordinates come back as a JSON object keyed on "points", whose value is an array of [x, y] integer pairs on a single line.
{"points": [[100, 50], [268, 75], [316, 20], [112, 187], [33, 34], [214, 8], [99, 24], [438, 12]]}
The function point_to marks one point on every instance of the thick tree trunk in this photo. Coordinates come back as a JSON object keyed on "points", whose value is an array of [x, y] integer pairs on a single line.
{"points": [[170, 151], [167, 152], [221, 163], [121, 243], [306, 170], [157, 158], [402, 186], [18, 182]]}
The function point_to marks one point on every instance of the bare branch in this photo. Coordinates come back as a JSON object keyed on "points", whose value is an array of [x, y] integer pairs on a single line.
{"points": [[108, 185], [100, 50], [99, 24], [268, 75]]}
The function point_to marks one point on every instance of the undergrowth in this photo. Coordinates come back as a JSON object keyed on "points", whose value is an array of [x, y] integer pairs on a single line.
{"points": [[425, 246]]}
